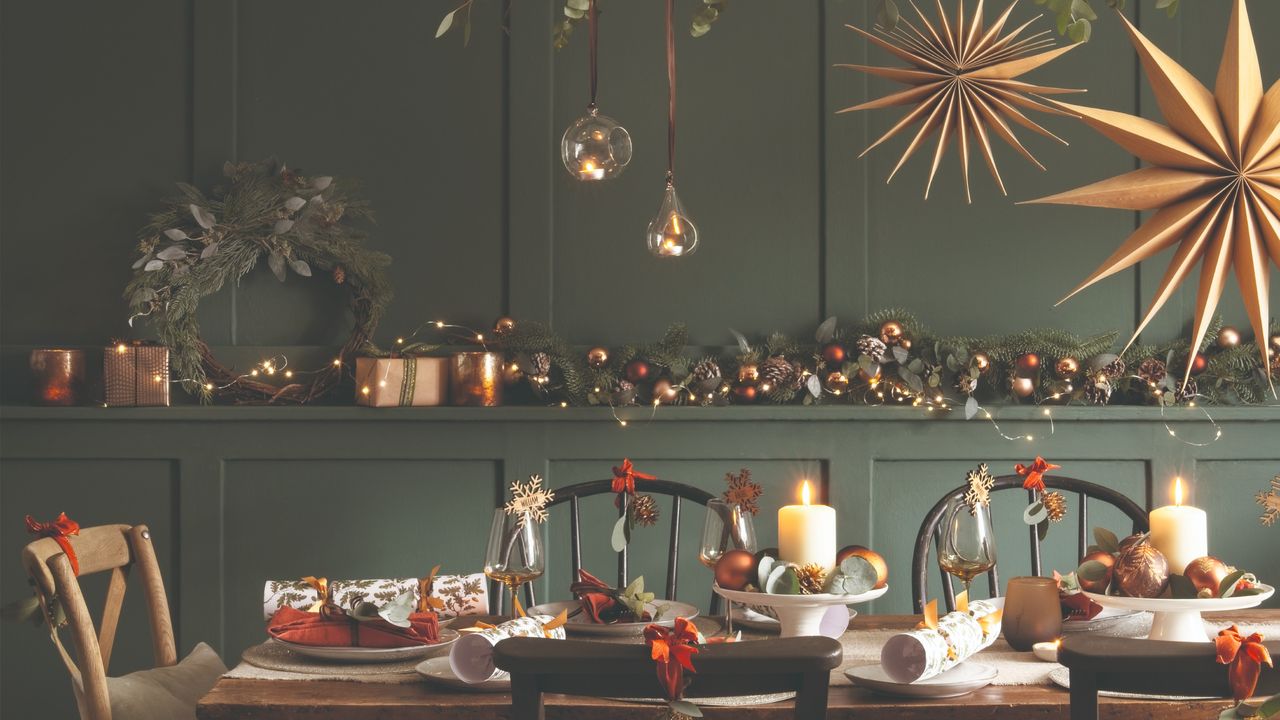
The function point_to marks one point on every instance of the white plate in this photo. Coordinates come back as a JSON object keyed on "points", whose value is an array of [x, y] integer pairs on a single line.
{"points": [[580, 624], [438, 670], [748, 618], [959, 680], [347, 654], [1062, 678], [1235, 602], [1108, 616], [819, 600]]}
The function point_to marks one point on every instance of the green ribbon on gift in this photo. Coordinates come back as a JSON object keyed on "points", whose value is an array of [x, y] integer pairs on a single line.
{"points": [[410, 379], [371, 349]]}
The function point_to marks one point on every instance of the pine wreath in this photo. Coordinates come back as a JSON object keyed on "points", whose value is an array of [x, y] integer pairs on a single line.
{"points": [[198, 243]]}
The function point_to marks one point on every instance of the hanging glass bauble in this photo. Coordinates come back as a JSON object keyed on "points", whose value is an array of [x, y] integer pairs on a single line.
{"points": [[595, 147], [671, 233]]}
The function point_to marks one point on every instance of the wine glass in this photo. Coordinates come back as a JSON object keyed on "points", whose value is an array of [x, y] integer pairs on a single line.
{"points": [[727, 527], [968, 546], [515, 554]]}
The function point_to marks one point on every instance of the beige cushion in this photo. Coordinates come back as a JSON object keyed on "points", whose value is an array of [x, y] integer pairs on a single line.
{"points": [[167, 693]]}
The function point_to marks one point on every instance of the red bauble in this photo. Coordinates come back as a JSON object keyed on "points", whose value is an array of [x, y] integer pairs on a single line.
{"points": [[1199, 364], [638, 371], [745, 393], [1028, 364], [871, 556], [833, 353], [735, 569]]}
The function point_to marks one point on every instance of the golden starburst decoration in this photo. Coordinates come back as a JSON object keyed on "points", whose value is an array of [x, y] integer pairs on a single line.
{"points": [[1213, 179], [529, 500], [980, 482], [964, 85]]}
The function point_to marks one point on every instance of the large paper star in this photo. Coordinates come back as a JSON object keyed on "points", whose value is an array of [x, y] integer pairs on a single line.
{"points": [[1213, 180], [963, 79]]}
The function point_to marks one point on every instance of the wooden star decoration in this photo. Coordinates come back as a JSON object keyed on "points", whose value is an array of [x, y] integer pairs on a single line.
{"points": [[963, 84], [980, 482], [1213, 180], [1270, 502]]}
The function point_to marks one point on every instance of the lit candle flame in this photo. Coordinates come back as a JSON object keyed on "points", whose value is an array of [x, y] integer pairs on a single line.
{"points": [[588, 166], [805, 492], [1177, 491]]}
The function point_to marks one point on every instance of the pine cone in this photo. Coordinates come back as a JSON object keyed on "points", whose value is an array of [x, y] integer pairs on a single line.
{"points": [[705, 376], [1055, 504], [1114, 369], [624, 393], [644, 511], [1275, 364], [1097, 390], [339, 274], [1183, 393], [966, 383], [1152, 370], [812, 579], [779, 373], [539, 364], [873, 348]]}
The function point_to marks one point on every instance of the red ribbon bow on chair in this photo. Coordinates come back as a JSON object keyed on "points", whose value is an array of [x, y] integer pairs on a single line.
{"points": [[1245, 656], [1034, 473], [624, 478], [673, 650], [59, 530]]}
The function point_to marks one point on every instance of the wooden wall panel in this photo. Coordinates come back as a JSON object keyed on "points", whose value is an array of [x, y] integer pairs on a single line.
{"points": [[1225, 489], [93, 492]]}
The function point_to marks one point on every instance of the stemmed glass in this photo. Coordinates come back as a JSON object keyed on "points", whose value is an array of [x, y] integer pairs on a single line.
{"points": [[968, 546], [726, 528], [515, 554]]}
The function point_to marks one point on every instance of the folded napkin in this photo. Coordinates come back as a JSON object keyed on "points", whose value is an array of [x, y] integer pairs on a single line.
{"points": [[600, 601], [334, 628], [450, 595]]}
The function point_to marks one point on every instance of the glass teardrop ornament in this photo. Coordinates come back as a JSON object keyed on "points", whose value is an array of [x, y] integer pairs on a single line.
{"points": [[595, 147], [671, 233]]}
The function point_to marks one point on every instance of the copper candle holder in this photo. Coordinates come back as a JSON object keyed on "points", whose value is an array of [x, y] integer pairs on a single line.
{"points": [[475, 378], [57, 376]]}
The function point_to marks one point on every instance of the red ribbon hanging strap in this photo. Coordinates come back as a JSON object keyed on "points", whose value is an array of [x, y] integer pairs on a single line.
{"points": [[1034, 473], [673, 650], [1244, 657], [624, 478], [59, 530]]}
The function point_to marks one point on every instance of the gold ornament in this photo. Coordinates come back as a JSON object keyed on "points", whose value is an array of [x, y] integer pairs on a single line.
{"points": [[597, 357], [504, 325], [980, 482], [1066, 368], [1228, 337], [982, 361], [748, 373], [1055, 505], [837, 382], [963, 85], [1213, 179], [905, 343], [529, 500], [891, 332], [1022, 387]]}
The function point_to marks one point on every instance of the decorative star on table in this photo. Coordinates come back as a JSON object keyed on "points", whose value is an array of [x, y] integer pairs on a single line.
{"points": [[964, 85], [1270, 502], [1213, 180], [529, 500]]}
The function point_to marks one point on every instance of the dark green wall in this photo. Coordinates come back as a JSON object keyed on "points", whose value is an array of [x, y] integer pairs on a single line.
{"points": [[103, 105]]}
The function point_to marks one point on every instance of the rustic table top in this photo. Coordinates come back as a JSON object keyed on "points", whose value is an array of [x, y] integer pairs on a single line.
{"points": [[324, 699]]}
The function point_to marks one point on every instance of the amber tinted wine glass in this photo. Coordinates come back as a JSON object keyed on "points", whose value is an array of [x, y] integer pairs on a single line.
{"points": [[515, 553], [968, 546]]}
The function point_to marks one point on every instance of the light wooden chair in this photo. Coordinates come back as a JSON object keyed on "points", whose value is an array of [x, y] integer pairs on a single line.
{"points": [[105, 548]]}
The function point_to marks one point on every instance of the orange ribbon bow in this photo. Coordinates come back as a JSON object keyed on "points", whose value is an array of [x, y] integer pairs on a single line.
{"points": [[59, 530], [1245, 656], [673, 650], [624, 478], [1034, 473]]}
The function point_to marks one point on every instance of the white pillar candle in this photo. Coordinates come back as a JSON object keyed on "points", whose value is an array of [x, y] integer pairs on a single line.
{"points": [[1180, 532], [807, 533]]}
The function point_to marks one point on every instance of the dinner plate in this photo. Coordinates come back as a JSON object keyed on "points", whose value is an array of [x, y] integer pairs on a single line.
{"points": [[437, 670], [580, 624], [748, 618], [1062, 678], [1102, 619], [959, 680], [347, 654]]}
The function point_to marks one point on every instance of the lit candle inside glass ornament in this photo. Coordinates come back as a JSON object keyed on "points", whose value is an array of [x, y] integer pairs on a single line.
{"points": [[590, 170], [595, 147], [671, 233]]}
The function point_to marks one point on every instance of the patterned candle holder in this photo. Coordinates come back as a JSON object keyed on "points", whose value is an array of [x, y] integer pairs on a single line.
{"points": [[475, 379], [57, 376]]}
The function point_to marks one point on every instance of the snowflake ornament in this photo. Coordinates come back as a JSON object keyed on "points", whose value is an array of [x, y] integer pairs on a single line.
{"points": [[742, 491], [979, 493], [1270, 502], [529, 500]]}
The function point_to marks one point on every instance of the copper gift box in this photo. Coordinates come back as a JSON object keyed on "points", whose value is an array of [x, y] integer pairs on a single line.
{"points": [[136, 374], [402, 381]]}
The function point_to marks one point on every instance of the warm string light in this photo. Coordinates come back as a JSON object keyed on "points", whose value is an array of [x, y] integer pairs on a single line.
{"points": [[1158, 393], [274, 365], [461, 333]]}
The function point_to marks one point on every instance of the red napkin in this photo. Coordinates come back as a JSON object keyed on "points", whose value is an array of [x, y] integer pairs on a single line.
{"points": [[601, 606], [308, 628], [1078, 606]]}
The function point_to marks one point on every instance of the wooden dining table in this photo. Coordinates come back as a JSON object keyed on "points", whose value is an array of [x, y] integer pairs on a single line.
{"points": [[243, 699]]}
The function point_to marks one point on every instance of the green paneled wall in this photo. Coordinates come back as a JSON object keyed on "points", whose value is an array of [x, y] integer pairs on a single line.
{"points": [[103, 105]]}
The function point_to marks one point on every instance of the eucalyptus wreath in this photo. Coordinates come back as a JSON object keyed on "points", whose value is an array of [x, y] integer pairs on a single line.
{"points": [[197, 243]]}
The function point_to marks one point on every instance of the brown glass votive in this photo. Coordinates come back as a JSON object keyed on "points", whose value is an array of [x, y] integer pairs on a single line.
{"points": [[1032, 612], [57, 376], [475, 378]]}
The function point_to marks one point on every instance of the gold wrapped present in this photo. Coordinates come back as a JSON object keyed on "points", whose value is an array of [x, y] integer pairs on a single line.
{"points": [[402, 381]]}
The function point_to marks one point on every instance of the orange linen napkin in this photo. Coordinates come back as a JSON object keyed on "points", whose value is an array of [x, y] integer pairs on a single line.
{"points": [[309, 628]]}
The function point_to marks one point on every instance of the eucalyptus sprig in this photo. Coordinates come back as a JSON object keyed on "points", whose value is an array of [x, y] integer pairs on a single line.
{"points": [[1074, 18]]}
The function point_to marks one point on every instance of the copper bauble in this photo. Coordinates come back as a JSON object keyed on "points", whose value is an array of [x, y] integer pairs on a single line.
{"points": [[1228, 337], [1022, 387], [504, 325], [905, 343], [871, 556], [1275, 343], [1199, 364], [868, 377], [735, 569], [833, 353], [1067, 367], [891, 332], [597, 357], [1128, 542], [982, 361], [745, 393], [1142, 571], [1100, 585], [664, 392], [1028, 363], [638, 371], [748, 374], [1207, 573], [837, 382]]}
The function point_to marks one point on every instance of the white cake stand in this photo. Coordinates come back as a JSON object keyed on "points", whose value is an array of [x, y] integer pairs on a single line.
{"points": [[1179, 620], [798, 615]]}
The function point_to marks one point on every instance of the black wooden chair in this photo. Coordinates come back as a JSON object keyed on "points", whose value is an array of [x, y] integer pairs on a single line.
{"points": [[931, 530], [1154, 667], [802, 665], [572, 495]]}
